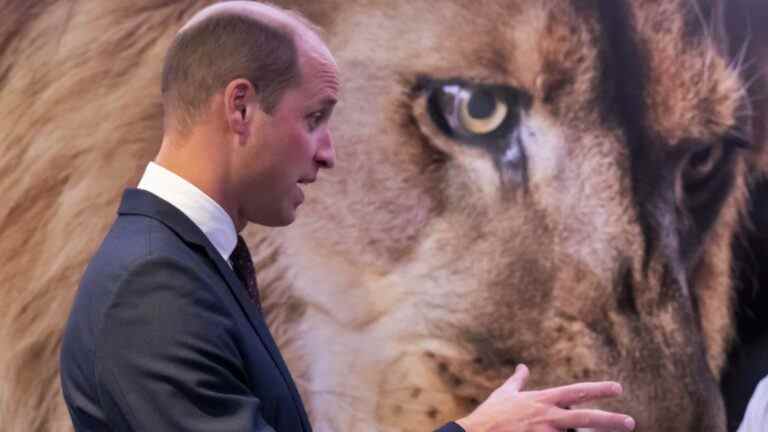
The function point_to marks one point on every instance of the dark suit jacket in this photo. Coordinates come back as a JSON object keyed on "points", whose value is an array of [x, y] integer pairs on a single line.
{"points": [[163, 337]]}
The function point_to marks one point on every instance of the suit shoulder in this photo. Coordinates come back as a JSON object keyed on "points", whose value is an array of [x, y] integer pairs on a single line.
{"points": [[131, 239], [163, 300], [141, 261], [165, 281], [138, 236]]}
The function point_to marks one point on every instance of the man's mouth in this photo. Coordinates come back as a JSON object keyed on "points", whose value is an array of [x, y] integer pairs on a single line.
{"points": [[306, 180], [301, 183]]}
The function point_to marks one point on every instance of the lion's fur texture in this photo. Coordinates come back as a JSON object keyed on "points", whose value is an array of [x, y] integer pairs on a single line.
{"points": [[420, 270]]}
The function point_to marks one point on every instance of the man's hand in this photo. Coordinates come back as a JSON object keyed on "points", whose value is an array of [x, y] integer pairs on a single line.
{"points": [[510, 409]]}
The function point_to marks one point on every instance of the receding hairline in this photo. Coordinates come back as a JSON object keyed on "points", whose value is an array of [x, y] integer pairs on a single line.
{"points": [[283, 19], [305, 34]]}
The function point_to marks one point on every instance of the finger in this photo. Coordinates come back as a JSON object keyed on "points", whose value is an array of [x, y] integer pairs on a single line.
{"points": [[594, 419], [518, 379], [575, 394]]}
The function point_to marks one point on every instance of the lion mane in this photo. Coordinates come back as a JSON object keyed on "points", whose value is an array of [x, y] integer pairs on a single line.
{"points": [[592, 242]]}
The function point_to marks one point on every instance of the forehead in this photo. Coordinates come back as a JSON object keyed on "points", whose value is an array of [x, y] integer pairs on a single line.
{"points": [[319, 73]]}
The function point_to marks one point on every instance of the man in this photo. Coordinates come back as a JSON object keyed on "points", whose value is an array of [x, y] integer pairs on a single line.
{"points": [[166, 331]]}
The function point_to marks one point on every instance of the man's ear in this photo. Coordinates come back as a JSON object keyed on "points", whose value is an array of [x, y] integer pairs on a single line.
{"points": [[239, 96]]}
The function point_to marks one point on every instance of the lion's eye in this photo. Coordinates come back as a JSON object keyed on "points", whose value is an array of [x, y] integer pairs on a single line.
{"points": [[705, 169], [481, 112], [473, 111], [705, 161], [701, 163]]}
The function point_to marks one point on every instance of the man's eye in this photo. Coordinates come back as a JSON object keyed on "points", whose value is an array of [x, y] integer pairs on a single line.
{"points": [[473, 111], [315, 119]]}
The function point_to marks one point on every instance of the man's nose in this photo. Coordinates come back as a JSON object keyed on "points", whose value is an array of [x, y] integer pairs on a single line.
{"points": [[326, 154]]}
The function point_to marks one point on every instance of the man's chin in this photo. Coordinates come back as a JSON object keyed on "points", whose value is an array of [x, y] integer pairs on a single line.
{"points": [[275, 221]]}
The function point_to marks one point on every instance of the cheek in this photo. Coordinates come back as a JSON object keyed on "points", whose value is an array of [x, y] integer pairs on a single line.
{"points": [[300, 151], [289, 139]]}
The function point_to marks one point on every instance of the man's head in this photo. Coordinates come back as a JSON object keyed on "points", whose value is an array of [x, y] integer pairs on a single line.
{"points": [[253, 87]]}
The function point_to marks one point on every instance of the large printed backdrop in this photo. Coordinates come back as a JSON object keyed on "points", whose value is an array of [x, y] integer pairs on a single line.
{"points": [[551, 182]]}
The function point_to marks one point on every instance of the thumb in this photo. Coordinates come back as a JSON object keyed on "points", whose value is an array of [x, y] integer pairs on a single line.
{"points": [[518, 379]]}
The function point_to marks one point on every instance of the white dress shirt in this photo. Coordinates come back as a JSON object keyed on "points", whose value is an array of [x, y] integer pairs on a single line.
{"points": [[756, 417], [206, 213]]}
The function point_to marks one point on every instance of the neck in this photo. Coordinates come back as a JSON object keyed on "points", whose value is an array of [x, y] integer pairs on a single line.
{"points": [[199, 159]]}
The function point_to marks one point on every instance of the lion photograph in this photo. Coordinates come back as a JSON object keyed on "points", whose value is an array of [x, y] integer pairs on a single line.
{"points": [[560, 183]]}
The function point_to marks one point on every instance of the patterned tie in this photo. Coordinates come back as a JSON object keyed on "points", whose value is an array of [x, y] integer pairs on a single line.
{"points": [[242, 264]]}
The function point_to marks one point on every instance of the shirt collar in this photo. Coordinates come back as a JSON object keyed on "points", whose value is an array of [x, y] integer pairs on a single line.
{"points": [[203, 210]]}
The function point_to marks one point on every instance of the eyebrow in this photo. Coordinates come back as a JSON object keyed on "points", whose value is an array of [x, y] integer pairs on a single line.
{"points": [[328, 102]]}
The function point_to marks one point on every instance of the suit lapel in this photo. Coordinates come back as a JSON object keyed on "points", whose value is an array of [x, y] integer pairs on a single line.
{"points": [[260, 326], [136, 201]]}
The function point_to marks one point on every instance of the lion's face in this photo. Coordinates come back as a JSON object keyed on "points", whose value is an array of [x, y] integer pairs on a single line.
{"points": [[552, 182], [544, 183]]}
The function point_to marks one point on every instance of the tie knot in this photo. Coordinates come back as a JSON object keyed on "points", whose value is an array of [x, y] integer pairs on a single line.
{"points": [[242, 264], [241, 252]]}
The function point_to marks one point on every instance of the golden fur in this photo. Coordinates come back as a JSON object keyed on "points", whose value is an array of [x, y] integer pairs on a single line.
{"points": [[419, 272]]}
